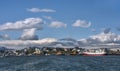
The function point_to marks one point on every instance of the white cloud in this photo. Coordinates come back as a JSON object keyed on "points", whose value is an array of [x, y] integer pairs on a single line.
{"points": [[81, 23], [29, 34], [23, 24], [35, 10], [48, 17], [58, 24], [19, 44], [98, 41], [106, 37], [102, 39]]}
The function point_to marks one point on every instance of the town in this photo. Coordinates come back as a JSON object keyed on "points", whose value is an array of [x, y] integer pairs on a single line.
{"points": [[36, 51]]}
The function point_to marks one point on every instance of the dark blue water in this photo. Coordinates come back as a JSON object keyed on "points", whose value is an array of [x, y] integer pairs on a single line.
{"points": [[60, 63]]}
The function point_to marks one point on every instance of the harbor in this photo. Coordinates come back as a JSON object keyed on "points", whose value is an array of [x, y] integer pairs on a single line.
{"points": [[36, 51]]}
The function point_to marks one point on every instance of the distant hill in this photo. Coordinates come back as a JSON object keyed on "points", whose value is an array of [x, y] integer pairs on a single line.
{"points": [[4, 48]]}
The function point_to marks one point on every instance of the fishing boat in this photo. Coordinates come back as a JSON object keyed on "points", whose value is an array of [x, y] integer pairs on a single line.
{"points": [[94, 52]]}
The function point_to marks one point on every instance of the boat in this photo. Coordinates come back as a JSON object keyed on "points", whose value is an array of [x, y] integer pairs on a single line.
{"points": [[94, 52]]}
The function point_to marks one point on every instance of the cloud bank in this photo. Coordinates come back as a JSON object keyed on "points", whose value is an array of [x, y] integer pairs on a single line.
{"points": [[35, 10], [101, 40], [19, 44]]}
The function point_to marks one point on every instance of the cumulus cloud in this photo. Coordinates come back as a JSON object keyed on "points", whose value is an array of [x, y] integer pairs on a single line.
{"points": [[23, 24], [102, 40], [29, 34], [81, 23], [4, 36], [57, 24], [35, 10], [106, 37]]}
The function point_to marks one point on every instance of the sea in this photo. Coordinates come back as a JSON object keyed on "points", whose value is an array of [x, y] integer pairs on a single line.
{"points": [[60, 63]]}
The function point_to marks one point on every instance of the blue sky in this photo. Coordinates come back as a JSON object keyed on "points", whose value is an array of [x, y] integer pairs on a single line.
{"points": [[100, 13]]}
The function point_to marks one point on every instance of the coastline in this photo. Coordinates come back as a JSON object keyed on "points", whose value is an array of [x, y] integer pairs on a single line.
{"points": [[35, 51]]}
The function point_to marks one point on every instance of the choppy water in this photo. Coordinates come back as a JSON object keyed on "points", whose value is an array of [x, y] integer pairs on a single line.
{"points": [[60, 63]]}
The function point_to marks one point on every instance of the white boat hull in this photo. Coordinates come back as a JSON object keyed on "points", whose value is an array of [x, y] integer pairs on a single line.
{"points": [[94, 54]]}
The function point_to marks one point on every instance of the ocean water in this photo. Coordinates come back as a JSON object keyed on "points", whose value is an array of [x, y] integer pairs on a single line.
{"points": [[60, 63]]}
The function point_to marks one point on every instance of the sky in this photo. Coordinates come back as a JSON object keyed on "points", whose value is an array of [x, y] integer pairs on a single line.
{"points": [[38, 19], [96, 14]]}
